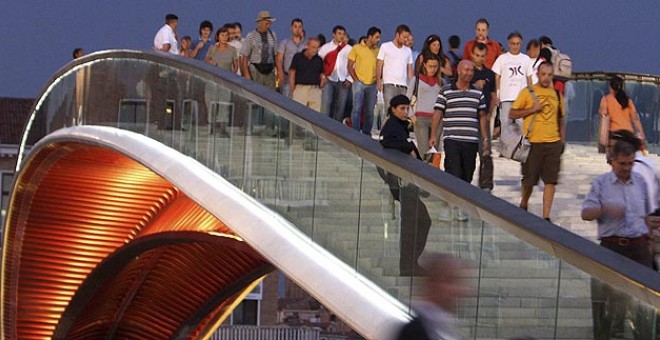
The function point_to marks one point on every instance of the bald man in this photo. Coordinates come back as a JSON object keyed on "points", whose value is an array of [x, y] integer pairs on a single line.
{"points": [[464, 122]]}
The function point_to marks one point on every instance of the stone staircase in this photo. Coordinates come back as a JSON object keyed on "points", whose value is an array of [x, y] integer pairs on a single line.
{"points": [[344, 206]]}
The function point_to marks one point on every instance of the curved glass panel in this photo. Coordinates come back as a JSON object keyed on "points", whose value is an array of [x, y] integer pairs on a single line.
{"points": [[583, 95], [344, 190]]}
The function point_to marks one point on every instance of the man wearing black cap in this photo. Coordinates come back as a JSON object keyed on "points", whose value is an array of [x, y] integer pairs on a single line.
{"points": [[166, 39], [415, 218]]}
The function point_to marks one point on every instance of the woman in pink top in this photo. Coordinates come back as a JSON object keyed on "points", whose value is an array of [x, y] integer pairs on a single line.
{"points": [[428, 88], [621, 111]]}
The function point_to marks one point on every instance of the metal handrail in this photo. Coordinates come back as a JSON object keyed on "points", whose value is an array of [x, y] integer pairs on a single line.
{"points": [[618, 271]]}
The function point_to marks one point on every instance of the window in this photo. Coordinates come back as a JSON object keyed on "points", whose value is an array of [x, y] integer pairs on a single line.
{"points": [[6, 178], [132, 115], [246, 313]]}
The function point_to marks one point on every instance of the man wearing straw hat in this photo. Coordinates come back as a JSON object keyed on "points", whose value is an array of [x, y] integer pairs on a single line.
{"points": [[259, 52], [258, 55]]}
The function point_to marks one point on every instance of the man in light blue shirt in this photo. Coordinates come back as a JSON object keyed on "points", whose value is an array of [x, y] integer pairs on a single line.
{"points": [[618, 201]]}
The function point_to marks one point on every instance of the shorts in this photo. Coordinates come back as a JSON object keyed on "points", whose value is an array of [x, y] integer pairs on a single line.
{"points": [[543, 162]]}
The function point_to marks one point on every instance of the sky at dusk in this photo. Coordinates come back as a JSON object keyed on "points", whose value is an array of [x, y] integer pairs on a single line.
{"points": [[598, 35]]}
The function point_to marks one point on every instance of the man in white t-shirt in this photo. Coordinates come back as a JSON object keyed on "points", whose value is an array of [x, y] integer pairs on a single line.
{"points": [[513, 72], [335, 61], [394, 65], [166, 39]]}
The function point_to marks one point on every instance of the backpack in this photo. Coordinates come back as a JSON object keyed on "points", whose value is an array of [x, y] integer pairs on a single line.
{"points": [[455, 59], [563, 66]]}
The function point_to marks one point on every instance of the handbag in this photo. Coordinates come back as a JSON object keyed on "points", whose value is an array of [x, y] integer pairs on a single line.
{"points": [[515, 145], [413, 97], [264, 68], [433, 157], [603, 134]]}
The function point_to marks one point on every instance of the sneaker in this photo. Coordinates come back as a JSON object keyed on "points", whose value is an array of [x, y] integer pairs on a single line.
{"points": [[459, 215]]}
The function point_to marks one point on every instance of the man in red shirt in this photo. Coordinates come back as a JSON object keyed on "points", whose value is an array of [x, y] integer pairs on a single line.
{"points": [[493, 46]]}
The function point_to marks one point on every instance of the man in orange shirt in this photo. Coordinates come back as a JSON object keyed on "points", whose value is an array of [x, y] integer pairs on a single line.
{"points": [[494, 49]]}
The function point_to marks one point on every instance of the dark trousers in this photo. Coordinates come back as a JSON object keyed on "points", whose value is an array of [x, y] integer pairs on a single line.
{"points": [[415, 226], [415, 222], [609, 306], [460, 158]]}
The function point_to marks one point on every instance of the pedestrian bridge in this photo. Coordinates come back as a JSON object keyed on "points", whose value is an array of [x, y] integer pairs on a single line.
{"points": [[151, 196]]}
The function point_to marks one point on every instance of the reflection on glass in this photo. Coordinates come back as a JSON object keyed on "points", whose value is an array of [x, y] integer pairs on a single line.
{"points": [[377, 224]]}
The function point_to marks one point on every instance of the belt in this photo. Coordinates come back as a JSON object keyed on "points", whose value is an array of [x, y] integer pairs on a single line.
{"points": [[399, 86], [625, 241]]}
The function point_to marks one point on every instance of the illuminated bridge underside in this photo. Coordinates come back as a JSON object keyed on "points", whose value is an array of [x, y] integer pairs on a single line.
{"points": [[114, 235]]}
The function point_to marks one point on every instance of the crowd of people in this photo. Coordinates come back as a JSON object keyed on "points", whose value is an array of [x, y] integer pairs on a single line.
{"points": [[456, 102]]}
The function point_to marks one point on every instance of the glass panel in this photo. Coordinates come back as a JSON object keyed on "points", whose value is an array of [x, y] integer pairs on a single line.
{"points": [[337, 191], [372, 221]]}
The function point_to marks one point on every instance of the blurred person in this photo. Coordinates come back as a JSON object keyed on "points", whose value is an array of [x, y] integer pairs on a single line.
{"points": [[461, 108], [494, 48], [534, 53], [443, 286], [166, 38], [287, 49], [620, 110], [410, 42], [541, 107], [306, 77], [415, 218], [236, 34], [322, 39], [433, 45], [202, 44], [454, 52], [78, 52], [394, 65], [484, 80], [235, 39], [185, 50], [222, 54], [513, 72], [335, 60], [618, 201], [362, 68], [427, 93]]}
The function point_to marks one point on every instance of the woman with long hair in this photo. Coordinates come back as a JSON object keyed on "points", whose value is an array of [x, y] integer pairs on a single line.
{"points": [[428, 87], [222, 54], [433, 45], [620, 111]]}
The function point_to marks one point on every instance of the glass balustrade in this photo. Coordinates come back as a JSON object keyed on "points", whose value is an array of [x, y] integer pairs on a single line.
{"points": [[341, 193]]}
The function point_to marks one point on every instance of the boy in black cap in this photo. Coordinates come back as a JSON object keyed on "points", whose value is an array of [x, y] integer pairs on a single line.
{"points": [[395, 134], [415, 219]]}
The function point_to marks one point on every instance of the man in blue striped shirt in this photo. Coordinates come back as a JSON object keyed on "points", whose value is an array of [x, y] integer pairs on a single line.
{"points": [[462, 109]]}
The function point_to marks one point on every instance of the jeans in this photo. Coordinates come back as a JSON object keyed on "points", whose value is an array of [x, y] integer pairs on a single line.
{"points": [[423, 133], [285, 88], [390, 91], [334, 100], [363, 95]]}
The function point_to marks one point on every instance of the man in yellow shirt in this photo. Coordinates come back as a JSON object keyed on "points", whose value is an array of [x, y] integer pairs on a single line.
{"points": [[541, 107], [362, 68]]}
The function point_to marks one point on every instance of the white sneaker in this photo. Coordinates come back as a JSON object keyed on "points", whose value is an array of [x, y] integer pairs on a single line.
{"points": [[459, 215]]}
